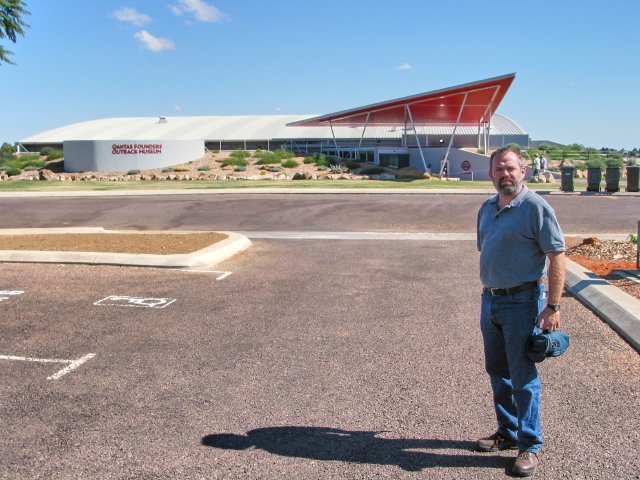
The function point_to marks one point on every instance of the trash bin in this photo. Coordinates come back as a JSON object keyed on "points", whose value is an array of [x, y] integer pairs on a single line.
{"points": [[612, 179], [594, 177], [633, 178], [566, 182]]}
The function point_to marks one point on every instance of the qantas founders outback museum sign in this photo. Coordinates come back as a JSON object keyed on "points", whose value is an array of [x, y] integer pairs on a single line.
{"points": [[125, 155]]}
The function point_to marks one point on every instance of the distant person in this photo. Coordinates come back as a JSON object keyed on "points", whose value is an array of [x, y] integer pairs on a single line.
{"points": [[445, 171], [544, 163], [536, 167], [428, 168], [520, 242]]}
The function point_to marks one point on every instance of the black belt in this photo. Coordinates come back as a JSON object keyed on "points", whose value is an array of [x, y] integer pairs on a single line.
{"points": [[501, 292]]}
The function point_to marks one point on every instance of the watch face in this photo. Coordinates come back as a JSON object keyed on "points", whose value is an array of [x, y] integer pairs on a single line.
{"points": [[554, 306]]}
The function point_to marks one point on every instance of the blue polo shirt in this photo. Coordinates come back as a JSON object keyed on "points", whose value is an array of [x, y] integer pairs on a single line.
{"points": [[513, 241]]}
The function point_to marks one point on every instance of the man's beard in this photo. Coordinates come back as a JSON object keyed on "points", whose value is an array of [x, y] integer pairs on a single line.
{"points": [[509, 188]]}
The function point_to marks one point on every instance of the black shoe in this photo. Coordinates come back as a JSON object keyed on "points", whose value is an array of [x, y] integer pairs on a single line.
{"points": [[496, 442]]}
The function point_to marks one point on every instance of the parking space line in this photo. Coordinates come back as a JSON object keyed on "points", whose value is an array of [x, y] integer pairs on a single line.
{"points": [[73, 364], [11, 293], [222, 273]]}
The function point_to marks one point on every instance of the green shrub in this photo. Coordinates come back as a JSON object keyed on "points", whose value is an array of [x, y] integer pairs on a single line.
{"points": [[30, 168], [614, 162], [275, 169], [180, 169], [284, 154], [8, 148], [134, 171], [215, 151], [55, 154], [24, 160], [596, 163], [204, 168], [318, 159], [290, 163], [322, 168], [582, 166], [267, 158], [12, 172], [240, 168], [240, 154], [167, 170], [515, 146], [238, 162]]}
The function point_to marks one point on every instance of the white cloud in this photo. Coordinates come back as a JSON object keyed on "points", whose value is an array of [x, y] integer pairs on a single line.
{"points": [[278, 109], [404, 66], [152, 43], [130, 15], [177, 108], [202, 11]]}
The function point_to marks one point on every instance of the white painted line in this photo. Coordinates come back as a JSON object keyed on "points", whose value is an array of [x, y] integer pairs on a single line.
{"points": [[222, 273], [223, 276], [360, 236], [32, 359], [11, 294], [73, 364], [127, 301]]}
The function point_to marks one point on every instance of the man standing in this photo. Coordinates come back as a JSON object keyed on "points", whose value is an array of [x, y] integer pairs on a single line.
{"points": [[520, 241]]}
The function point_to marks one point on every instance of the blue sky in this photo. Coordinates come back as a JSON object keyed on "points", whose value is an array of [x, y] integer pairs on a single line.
{"points": [[576, 62]]}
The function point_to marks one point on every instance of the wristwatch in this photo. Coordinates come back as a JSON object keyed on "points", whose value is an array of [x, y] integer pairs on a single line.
{"points": [[554, 306]]}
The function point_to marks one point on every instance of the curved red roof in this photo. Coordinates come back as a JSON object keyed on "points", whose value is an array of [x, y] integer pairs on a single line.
{"points": [[436, 107]]}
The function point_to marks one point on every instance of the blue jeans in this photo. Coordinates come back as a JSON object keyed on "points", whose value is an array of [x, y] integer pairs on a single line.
{"points": [[507, 323]]}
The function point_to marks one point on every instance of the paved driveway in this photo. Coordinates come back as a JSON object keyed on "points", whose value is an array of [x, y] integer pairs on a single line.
{"points": [[311, 359]]}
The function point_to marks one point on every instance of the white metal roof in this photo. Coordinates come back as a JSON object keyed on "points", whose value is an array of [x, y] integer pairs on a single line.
{"points": [[239, 128]]}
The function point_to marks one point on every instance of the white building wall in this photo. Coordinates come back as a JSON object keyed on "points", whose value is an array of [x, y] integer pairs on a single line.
{"points": [[462, 163], [125, 155]]}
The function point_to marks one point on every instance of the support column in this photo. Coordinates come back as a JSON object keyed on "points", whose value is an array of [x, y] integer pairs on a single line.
{"points": [[453, 134], [334, 140], [415, 132], [362, 136]]}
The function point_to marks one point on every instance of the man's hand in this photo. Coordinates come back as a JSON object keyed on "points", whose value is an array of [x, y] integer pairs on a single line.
{"points": [[549, 320]]}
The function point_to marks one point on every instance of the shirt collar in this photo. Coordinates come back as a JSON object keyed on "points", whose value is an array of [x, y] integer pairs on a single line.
{"points": [[515, 202]]}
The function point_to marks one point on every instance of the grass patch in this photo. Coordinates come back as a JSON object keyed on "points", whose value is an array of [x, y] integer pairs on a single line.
{"points": [[52, 186]]}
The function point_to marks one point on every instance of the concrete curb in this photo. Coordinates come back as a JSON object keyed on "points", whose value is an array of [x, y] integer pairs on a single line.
{"points": [[208, 256], [617, 308]]}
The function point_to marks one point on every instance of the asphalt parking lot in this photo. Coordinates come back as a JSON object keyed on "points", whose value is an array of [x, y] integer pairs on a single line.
{"points": [[299, 358]]}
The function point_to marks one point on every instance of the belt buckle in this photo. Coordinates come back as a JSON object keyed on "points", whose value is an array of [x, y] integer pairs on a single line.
{"points": [[495, 291]]}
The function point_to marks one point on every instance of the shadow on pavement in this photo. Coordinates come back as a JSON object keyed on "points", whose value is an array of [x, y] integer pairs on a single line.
{"points": [[321, 443]]}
